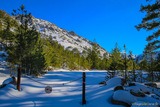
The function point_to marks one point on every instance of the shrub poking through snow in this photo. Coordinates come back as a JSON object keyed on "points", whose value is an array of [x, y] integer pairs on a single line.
{"points": [[151, 84], [155, 96], [147, 93], [132, 84], [123, 81], [137, 93], [118, 88], [139, 87]]}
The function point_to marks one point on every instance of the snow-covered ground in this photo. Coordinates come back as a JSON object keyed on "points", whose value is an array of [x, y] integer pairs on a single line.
{"points": [[65, 92]]}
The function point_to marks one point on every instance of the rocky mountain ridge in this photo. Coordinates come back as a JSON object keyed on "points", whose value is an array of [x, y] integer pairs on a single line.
{"points": [[69, 40]]}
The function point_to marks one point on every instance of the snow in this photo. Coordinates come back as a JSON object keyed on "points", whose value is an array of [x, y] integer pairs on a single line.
{"points": [[7, 81], [115, 81], [67, 90], [144, 104], [69, 95], [139, 87], [125, 96]]}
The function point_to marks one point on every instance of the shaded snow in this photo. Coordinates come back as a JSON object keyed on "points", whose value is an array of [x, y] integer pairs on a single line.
{"points": [[124, 96], [7, 81], [69, 95], [115, 81]]}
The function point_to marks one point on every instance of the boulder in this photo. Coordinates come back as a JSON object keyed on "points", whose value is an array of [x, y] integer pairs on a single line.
{"points": [[102, 83], [137, 93], [118, 88], [132, 84]]}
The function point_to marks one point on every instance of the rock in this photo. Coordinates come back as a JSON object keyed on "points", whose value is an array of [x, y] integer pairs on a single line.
{"points": [[119, 103], [132, 84], [137, 93], [118, 88], [102, 83]]}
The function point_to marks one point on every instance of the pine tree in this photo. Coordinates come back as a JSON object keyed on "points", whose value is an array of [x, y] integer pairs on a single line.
{"points": [[22, 32], [25, 44], [125, 63], [27, 39], [151, 22], [149, 53], [132, 64], [143, 65], [6, 24], [38, 59], [116, 59], [93, 56], [157, 63]]}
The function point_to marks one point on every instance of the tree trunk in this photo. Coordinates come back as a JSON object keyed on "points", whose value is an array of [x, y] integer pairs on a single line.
{"points": [[19, 78]]}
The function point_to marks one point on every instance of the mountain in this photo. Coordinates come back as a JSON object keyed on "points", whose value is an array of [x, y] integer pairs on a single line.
{"points": [[69, 40], [155, 56]]}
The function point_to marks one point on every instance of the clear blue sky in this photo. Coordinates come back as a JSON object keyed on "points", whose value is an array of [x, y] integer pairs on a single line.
{"points": [[107, 21]]}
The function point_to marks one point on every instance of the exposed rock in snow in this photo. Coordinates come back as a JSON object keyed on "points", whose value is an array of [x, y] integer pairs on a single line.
{"points": [[139, 87]]}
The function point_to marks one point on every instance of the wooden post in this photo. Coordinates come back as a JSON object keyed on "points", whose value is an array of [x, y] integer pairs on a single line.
{"points": [[19, 78], [83, 89]]}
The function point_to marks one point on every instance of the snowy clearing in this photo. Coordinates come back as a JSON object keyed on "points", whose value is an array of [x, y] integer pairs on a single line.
{"points": [[67, 91], [69, 94]]}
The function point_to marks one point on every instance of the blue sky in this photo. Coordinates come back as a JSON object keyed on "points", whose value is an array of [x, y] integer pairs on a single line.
{"points": [[107, 21]]}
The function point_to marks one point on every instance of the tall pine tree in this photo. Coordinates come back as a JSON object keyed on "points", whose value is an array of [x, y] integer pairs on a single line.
{"points": [[116, 59], [151, 22]]}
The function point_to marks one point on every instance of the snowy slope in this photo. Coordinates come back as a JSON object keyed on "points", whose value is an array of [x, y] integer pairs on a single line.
{"points": [[69, 40]]}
